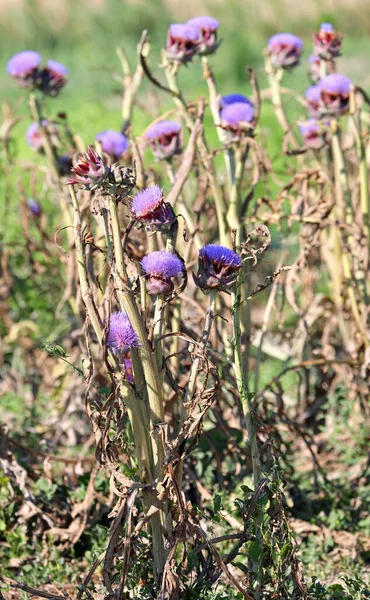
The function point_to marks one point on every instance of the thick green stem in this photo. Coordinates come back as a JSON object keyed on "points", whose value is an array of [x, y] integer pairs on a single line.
{"points": [[154, 390], [241, 376], [275, 77]]}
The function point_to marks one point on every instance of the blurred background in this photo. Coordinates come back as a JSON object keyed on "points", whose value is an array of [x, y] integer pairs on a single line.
{"points": [[83, 35]]}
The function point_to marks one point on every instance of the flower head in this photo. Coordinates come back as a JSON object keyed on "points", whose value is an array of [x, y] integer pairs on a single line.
{"points": [[34, 207], [33, 135], [113, 142], [160, 267], [284, 50], [208, 34], [234, 98], [91, 171], [334, 94], [311, 133], [24, 67], [53, 77], [121, 334], [312, 96], [149, 207], [217, 267], [164, 139], [327, 42], [237, 117], [182, 42]]}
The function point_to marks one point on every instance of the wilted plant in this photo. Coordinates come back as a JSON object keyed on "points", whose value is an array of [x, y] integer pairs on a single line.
{"points": [[168, 371]]}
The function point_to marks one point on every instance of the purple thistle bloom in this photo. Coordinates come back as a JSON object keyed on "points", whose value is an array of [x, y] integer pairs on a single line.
{"points": [[233, 98], [57, 68], [53, 77], [334, 94], [160, 267], [121, 334], [208, 34], [24, 67], [91, 171], [311, 133], [164, 138], [34, 207], [149, 207], [182, 42], [237, 117], [327, 42], [113, 142], [326, 27], [217, 267], [284, 50], [33, 135], [312, 96]]}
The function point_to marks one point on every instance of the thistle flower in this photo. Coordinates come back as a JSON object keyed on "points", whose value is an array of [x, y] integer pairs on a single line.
{"points": [[237, 117], [33, 134], [34, 207], [160, 267], [217, 267], [91, 171], [121, 334], [182, 42], [53, 78], [149, 207], [311, 133], [233, 99], [113, 142], [312, 95], [334, 94], [164, 139], [284, 50], [327, 42], [24, 67], [208, 34]]}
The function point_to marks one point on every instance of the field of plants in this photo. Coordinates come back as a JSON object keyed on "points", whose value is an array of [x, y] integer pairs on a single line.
{"points": [[184, 302]]}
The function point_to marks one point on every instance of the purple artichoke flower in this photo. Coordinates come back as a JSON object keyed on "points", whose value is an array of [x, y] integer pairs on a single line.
{"points": [[233, 99], [149, 207], [182, 42], [121, 336], [312, 96], [237, 117], [53, 78], [33, 135], [24, 67], [217, 267], [284, 50], [160, 267], [34, 207], [113, 142], [334, 94], [91, 171], [327, 42], [164, 139], [311, 133], [208, 34]]}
